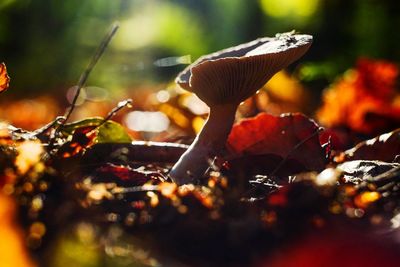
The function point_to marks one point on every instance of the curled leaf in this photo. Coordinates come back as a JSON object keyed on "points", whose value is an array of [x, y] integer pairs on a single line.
{"points": [[87, 132], [384, 147]]}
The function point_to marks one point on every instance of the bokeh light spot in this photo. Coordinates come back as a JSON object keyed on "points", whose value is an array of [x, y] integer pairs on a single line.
{"points": [[286, 8], [162, 96], [146, 121]]}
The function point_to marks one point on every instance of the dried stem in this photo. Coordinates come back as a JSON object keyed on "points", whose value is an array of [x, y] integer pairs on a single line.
{"points": [[261, 181], [121, 105], [140, 151], [82, 80], [85, 75]]}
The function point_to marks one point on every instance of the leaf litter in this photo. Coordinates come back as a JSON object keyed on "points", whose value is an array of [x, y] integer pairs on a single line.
{"points": [[275, 186]]}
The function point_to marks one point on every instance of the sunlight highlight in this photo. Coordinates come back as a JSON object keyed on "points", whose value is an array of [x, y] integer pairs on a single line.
{"points": [[146, 121], [29, 153], [327, 177]]}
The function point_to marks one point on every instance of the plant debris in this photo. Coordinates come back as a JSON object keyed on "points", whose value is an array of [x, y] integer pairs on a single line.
{"points": [[276, 190]]}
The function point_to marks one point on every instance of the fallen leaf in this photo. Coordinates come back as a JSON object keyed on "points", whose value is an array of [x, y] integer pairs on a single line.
{"points": [[357, 171], [291, 136], [82, 139], [4, 78], [378, 77], [364, 99], [384, 147], [112, 132], [108, 131], [87, 132], [122, 173]]}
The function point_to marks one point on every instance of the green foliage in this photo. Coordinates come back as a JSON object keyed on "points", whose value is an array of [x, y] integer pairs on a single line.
{"points": [[46, 43], [112, 132], [107, 132]]}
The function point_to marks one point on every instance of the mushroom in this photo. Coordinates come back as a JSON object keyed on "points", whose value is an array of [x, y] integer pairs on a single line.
{"points": [[225, 79]]}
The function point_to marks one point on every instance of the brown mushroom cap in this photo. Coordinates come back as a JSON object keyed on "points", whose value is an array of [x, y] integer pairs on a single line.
{"points": [[234, 74]]}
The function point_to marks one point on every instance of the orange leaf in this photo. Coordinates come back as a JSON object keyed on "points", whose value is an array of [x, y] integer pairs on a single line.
{"points": [[4, 78], [363, 100], [378, 77], [290, 135]]}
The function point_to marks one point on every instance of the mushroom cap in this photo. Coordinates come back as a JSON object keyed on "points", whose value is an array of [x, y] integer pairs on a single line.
{"points": [[234, 74]]}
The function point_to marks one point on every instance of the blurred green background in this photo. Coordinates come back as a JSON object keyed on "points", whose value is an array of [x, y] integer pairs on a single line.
{"points": [[46, 44]]}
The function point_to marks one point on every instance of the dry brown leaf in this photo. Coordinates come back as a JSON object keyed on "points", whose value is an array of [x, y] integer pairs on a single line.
{"points": [[384, 147]]}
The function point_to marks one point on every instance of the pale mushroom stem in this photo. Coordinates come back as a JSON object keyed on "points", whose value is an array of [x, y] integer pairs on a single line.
{"points": [[208, 143]]}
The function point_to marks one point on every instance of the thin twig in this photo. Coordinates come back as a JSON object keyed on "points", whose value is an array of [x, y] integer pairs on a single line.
{"points": [[282, 162], [43, 130], [85, 75], [82, 80], [302, 142], [120, 105], [390, 176], [135, 189]]}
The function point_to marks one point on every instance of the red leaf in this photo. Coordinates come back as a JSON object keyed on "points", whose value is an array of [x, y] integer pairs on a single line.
{"points": [[378, 77], [363, 99], [290, 135], [127, 174], [82, 139]]}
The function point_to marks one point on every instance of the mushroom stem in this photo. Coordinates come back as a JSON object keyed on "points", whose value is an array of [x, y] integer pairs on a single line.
{"points": [[209, 142]]}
